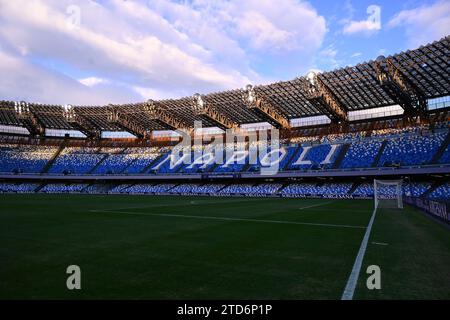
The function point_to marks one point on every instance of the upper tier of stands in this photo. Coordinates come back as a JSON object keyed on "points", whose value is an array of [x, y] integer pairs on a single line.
{"points": [[403, 148]]}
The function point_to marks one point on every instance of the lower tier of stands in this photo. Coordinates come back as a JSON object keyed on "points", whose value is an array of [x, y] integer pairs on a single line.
{"points": [[292, 189]]}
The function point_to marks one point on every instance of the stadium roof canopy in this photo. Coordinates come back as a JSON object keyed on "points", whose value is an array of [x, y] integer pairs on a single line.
{"points": [[405, 78]]}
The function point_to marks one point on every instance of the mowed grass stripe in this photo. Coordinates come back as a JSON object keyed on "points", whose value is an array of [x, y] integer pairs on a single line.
{"points": [[415, 262], [127, 257], [215, 201], [316, 205], [168, 258], [229, 219], [279, 209]]}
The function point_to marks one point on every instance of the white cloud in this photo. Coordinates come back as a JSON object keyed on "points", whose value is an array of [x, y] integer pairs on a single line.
{"points": [[107, 45], [142, 55], [356, 54], [328, 57], [329, 52], [29, 82], [283, 25], [369, 26], [360, 26], [150, 93], [424, 24], [295, 32], [157, 48], [92, 81], [263, 34]]}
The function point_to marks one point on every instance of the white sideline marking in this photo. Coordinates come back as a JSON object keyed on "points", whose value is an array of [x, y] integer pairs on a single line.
{"points": [[349, 209], [380, 243], [354, 275], [198, 202], [316, 205], [232, 219]]}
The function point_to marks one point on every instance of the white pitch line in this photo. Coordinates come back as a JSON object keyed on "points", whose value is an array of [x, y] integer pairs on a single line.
{"points": [[198, 202], [380, 243], [354, 275], [232, 219], [348, 209], [316, 205]]}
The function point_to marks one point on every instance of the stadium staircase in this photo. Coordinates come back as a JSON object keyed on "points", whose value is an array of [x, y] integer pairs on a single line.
{"points": [[354, 186], [284, 185], [218, 191], [168, 190], [85, 188], [380, 152], [433, 187], [246, 167], [98, 164], [152, 162], [52, 160], [216, 164], [441, 149], [226, 185], [124, 188], [129, 186], [39, 188], [341, 156], [291, 158], [214, 167]]}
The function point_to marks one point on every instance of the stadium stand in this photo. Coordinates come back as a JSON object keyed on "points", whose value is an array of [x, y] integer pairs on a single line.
{"points": [[245, 188], [314, 190], [361, 154], [401, 149], [24, 159], [148, 188], [330, 152], [18, 187], [63, 187], [293, 189], [194, 188], [77, 160], [442, 192], [445, 158], [411, 149], [364, 190]]}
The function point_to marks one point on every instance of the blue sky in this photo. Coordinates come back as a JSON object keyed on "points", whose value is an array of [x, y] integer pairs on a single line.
{"points": [[97, 52]]}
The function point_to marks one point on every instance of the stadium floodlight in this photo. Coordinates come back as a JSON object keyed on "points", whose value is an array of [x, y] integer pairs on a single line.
{"points": [[388, 194], [113, 114], [67, 108], [69, 113], [249, 95], [150, 107], [21, 108], [198, 103], [17, 107], [311, 85], [311, 76]]}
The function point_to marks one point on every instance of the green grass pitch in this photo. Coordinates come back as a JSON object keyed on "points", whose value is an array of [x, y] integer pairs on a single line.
{"points": [[150, 247]]}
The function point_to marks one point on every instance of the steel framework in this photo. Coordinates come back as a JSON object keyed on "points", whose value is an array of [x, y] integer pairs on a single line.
{"points": [[409, 79]]}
